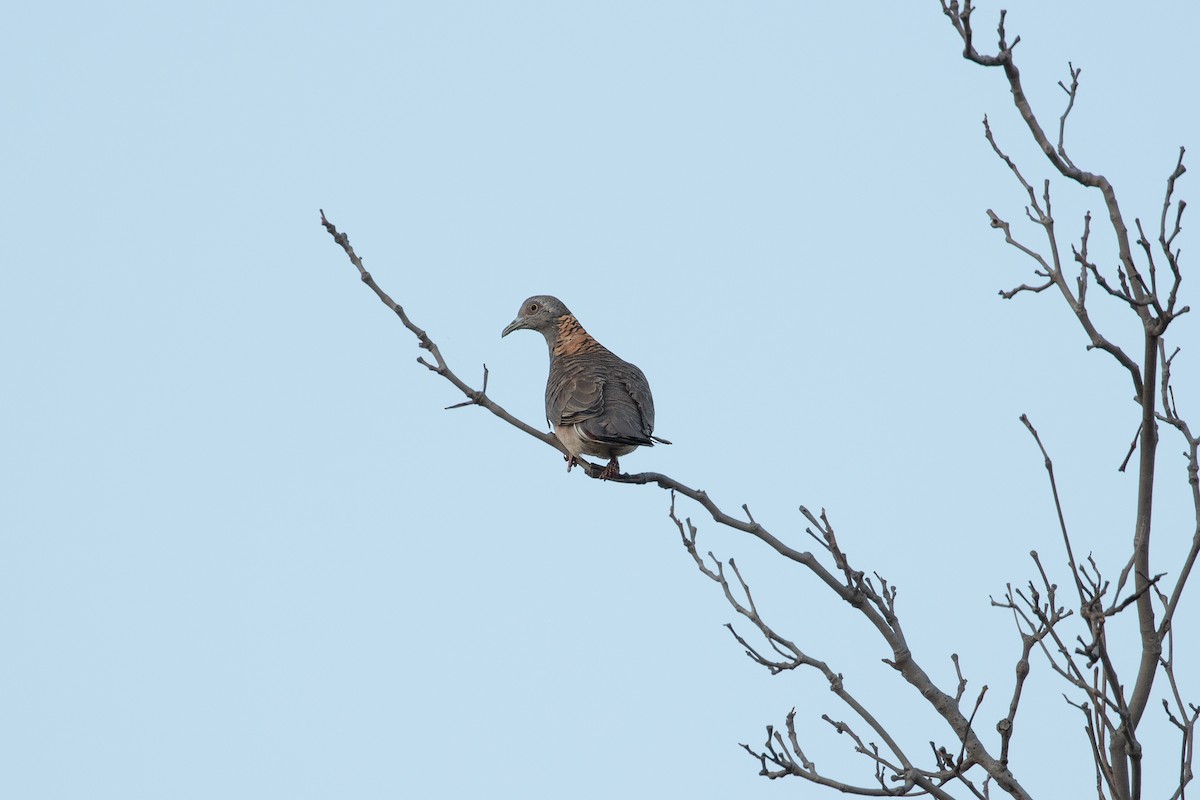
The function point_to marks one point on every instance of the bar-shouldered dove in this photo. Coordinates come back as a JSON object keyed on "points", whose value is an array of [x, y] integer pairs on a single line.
{"points": [[597, 404]]}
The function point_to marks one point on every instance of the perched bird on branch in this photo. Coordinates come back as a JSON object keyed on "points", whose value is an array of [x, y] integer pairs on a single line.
{"points": [[597, 404]]}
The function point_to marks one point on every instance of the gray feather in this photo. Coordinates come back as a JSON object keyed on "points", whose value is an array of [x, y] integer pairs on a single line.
{"points": [[609, 397]]}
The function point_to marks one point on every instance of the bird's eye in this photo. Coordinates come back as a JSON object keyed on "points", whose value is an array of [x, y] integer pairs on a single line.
{"points": [[533, 307]]}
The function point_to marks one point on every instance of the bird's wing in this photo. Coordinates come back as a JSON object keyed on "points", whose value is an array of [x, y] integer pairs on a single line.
{"points": [[574, 390], [634, 382], [607, 398], [575, 399]]}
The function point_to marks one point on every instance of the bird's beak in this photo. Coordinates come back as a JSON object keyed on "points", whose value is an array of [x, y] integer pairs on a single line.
{"points": [[515, 325]]}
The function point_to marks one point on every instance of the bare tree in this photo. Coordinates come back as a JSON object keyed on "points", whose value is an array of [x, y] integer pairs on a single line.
{"points": [[1072, 635]]}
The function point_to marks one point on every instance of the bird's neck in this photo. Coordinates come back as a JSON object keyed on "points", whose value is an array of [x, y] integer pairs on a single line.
{"points": [[568, 338]]}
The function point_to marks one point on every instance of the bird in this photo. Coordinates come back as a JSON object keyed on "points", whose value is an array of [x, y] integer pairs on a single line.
{"points": [[597, 404]]}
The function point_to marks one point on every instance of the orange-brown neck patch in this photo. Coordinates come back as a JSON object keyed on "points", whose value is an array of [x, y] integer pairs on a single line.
{"points": [[572, 339]]}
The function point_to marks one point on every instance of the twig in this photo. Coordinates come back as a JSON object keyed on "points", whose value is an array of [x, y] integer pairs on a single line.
{"points": [[1062, 121], [1062, 522]]}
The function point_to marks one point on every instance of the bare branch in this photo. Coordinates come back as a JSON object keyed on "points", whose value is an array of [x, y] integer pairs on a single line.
{"points": [[1141, 296], [1024, 287], [1053, 271], [961, 20], [1042, 216], [474, 401], [1071, 91], [1151, 268], [1062, 523], [1185, 715], [1132, 449], [1171, 416], [876, 606], [793, 657], [425, 343], [1167, 242], [1005, 726]]}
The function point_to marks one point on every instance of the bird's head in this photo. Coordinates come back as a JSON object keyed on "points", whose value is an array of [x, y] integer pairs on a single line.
{"points": [[538, 313]]}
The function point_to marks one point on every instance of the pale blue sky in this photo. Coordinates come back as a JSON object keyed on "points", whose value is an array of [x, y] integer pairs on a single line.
{"points": [[245, 554]]}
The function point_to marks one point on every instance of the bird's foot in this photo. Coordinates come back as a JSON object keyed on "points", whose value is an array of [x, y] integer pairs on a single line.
{"points": [[611, 471], [571, 462]]}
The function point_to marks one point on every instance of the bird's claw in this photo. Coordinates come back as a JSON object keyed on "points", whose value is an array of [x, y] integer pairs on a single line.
{"points": [[610, 471]]}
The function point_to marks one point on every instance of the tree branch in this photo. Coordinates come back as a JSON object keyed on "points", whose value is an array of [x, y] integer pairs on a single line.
{"points": [[1141, 294], [876, 606], [1053, 270]]}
